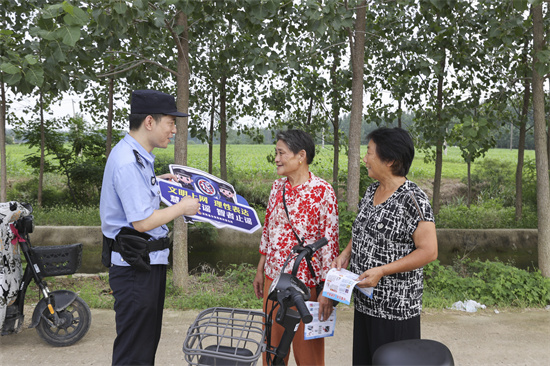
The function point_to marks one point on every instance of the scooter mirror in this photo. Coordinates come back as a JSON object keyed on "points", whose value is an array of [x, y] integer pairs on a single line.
{"points": [[25, 225]]}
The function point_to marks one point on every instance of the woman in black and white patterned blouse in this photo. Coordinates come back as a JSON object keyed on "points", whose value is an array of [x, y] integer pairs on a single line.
{"points": [[393, 237]]}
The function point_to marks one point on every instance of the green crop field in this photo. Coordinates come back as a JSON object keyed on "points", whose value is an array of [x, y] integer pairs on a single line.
{"points": [[251, 170], [250, 162]]}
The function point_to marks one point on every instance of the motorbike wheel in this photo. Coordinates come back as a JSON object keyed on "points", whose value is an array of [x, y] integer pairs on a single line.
{"points": [[76, 319]]}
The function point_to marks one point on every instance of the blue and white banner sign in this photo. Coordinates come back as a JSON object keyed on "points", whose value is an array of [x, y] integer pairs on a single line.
{"points": [[221, 206]]}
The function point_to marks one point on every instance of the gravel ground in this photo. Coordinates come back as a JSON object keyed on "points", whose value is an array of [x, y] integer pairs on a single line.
{"points": [[511, 337]]}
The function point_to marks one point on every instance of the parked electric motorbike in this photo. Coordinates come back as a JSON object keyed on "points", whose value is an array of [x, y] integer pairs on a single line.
{"points": [[61, 317]]}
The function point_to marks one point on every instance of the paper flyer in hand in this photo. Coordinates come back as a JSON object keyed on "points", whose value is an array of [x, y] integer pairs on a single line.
{"points": [[220, 206], [339, 285], [317, 328]]}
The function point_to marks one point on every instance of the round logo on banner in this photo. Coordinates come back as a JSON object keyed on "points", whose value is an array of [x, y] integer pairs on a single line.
{"points": [[206, 187]]}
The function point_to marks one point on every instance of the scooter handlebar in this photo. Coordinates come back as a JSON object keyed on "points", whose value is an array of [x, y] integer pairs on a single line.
{"points": [[305, 252], [318, 244], [301, 306]]}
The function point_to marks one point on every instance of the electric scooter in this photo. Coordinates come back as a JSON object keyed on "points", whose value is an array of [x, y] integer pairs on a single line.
{"points": [[238, 337], [61, 317]]}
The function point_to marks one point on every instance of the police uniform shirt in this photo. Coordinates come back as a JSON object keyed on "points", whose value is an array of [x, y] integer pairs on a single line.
{"points": [[130, 192]]}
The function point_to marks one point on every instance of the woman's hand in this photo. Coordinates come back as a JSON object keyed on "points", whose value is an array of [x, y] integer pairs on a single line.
{"points": [[370, 277], [259, 285], [259, 278], [325, 307], [342, 261]]}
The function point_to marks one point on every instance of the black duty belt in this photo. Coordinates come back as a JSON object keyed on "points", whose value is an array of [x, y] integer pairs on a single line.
{"points": [[152, 245]]}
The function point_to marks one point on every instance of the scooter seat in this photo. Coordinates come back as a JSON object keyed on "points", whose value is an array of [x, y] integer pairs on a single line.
{"points": [[413, 352]]}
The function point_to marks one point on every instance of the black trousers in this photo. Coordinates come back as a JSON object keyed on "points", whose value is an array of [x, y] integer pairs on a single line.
{"points": [[369, 333], [139, 302]]}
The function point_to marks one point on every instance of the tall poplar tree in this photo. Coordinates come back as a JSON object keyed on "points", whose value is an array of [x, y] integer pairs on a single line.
{"points": [[357, 51], [541, 63]]}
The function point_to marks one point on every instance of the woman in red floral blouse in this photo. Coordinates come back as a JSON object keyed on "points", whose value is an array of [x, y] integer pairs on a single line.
{"points": [[313, 214]]}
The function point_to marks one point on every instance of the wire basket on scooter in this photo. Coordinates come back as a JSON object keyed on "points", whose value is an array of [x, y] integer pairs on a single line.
{"points": [[224, 336], [58, 260]]}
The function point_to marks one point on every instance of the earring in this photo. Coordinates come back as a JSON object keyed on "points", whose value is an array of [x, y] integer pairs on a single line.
{"points": [[300, 162]]}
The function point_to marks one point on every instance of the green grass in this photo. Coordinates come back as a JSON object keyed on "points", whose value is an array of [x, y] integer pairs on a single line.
{"points": [[251, 161], [492, 283], [252, 173], [68, 215], [454, 166], [205, 288], [486, 215], [15, 154]]}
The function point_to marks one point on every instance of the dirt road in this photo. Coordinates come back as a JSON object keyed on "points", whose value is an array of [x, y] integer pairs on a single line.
{"points": [[515, 337]]}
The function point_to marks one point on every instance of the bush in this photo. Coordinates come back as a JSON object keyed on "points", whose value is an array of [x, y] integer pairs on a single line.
{"points": [[27, 191], [491, 283], [203, 232], [256, 192], [529, 184], [485, 215], [494, 179], [162, 163], [86, 180], [345, 219]]}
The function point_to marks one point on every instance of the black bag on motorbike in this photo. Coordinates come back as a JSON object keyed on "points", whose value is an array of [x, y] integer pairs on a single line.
{"points": [[135, 246]]}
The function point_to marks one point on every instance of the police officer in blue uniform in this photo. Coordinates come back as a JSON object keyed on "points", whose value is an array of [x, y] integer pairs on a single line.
{"points": [[135, 242]]}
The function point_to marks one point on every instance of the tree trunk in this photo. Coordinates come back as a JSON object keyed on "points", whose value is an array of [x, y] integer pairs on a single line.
{"points": [[336, 154], [335, 123], [180, 254], [223, 130], [511, 135], [521, 142], [469, 165], [42, 154], [548, 134], [541, 149], [519, 169], [211, 131], [309, 112], [109, 139], [437, 175], [357, 49], [548, 117], [399, 113], [3, 161], [440, 142]]}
